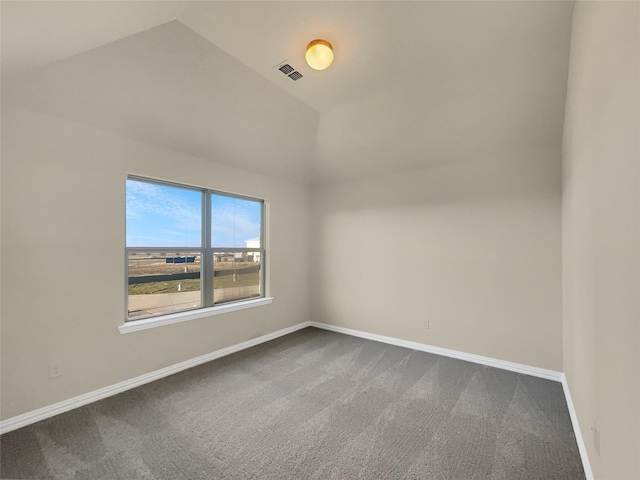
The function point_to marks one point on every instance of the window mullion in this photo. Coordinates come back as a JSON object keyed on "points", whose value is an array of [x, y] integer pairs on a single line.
{"points": [[207, 272]]}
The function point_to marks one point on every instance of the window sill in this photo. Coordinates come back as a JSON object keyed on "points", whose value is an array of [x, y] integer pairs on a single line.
{"points": [[146, 323]]}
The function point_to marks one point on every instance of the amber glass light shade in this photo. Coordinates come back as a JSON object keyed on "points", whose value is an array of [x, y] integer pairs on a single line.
{"points": [[319, 54]]}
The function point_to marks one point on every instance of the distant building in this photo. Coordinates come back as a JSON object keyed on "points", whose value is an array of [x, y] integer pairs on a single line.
{"points": [[253, 243]]}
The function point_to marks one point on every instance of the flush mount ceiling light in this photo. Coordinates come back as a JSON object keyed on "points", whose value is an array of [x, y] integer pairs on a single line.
{"points": [[319, 54]]}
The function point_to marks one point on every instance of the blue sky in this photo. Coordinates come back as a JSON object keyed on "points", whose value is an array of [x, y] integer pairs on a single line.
{"points": [[166, 216]]}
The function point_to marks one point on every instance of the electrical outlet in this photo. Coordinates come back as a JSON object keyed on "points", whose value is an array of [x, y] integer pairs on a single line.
{"points": [[596, 439], [55, 369], [425, 324]]}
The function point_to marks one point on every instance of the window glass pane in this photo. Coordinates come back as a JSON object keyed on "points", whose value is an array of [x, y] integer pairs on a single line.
{"points": [[235, 222], [237, 276], [162, 215], [163, 282]]}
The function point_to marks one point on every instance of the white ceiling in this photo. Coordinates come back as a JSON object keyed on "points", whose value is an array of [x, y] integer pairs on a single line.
{"points": [[413, 84]]}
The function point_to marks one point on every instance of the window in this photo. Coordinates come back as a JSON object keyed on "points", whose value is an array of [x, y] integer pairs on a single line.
{"points": [[189, 248]]}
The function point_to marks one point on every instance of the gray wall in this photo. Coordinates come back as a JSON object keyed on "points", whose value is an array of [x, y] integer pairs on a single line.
{"points": [[473, 247], [63, 268], [601, 238]]}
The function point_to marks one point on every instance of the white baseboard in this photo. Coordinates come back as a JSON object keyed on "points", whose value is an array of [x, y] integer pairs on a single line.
{"points": [[75, 402], [576, 429], [469, 357]]}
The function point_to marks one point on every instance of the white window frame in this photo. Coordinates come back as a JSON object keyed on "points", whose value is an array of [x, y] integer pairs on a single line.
{"points": [[207, 250]]}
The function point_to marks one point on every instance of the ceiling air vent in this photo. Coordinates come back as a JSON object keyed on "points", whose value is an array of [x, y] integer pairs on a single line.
{"points": [[289, 71], [286, 69]]}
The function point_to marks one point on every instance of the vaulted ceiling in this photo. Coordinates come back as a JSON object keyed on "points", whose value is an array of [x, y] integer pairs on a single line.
{"points": [[413, 84]]}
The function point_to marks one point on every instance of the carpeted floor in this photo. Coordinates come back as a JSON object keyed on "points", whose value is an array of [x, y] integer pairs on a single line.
{"points": [[311, 405]]}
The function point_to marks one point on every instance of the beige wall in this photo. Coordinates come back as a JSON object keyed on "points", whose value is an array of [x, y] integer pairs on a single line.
{"points": [[473, 247], [601, 239], [63, 267]]}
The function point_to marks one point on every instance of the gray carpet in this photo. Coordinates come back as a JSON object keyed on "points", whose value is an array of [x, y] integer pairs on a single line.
{"points": [[311, 405]]}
